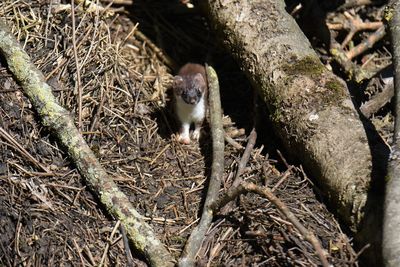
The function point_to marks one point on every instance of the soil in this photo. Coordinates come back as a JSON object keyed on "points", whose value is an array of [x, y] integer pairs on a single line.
{"points": [[55, 220]]}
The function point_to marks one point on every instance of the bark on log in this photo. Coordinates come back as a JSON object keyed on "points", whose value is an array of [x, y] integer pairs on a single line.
{"points": [[391, 237], [310, 107], [58, 120]]}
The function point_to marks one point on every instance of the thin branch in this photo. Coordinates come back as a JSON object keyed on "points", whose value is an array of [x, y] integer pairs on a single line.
{"points": [[232, 142], [353, 71], [17, 146], [126, 246], [354, 24], [245, 157], [367, 43], [195, 240]]}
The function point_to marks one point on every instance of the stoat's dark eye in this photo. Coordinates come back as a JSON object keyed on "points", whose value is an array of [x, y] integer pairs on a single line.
{"points": [[199, 93]]}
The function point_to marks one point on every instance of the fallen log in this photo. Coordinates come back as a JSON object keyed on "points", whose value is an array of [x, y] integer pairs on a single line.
{"points": [[310, 109]]}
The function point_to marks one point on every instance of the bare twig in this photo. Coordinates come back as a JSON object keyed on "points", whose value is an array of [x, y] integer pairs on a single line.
{"points": [[245, 157], [232, 142], [126, 246], [367, 43], [354, 24], [78, 71], [196, 238], [22, 150], [79, 250], [354, 72], [110, 239], [99, 108], [308, 235]]}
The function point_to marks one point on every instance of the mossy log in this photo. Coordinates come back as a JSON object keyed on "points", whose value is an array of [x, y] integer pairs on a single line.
{"points": [[59, 121], [310, 109]]}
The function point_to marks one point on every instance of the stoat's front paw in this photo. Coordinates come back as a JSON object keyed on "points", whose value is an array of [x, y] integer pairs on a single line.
{"points": [[196, 134], [183, 139]]}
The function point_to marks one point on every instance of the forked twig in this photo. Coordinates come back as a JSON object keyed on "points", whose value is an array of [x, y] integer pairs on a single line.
{"points": [[344, 58], [354, 24]]}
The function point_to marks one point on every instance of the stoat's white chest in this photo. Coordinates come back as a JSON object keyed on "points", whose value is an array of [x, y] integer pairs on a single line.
{"points": [[190, 113]]}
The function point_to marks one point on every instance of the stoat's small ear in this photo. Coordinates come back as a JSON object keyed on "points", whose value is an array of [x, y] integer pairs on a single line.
{"points": [[178, 81], [178, 85], [198, 79]]}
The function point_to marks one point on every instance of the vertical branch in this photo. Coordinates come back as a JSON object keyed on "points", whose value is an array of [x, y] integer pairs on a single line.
{"points": [[391, 221], [217, 169], [78, 74]]}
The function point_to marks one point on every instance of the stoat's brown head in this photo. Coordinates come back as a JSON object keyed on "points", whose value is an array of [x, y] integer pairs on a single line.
{"points": [[190, 87]]}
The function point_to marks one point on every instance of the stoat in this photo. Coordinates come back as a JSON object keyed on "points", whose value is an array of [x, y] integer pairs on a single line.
{"points": [[190, 93]]}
